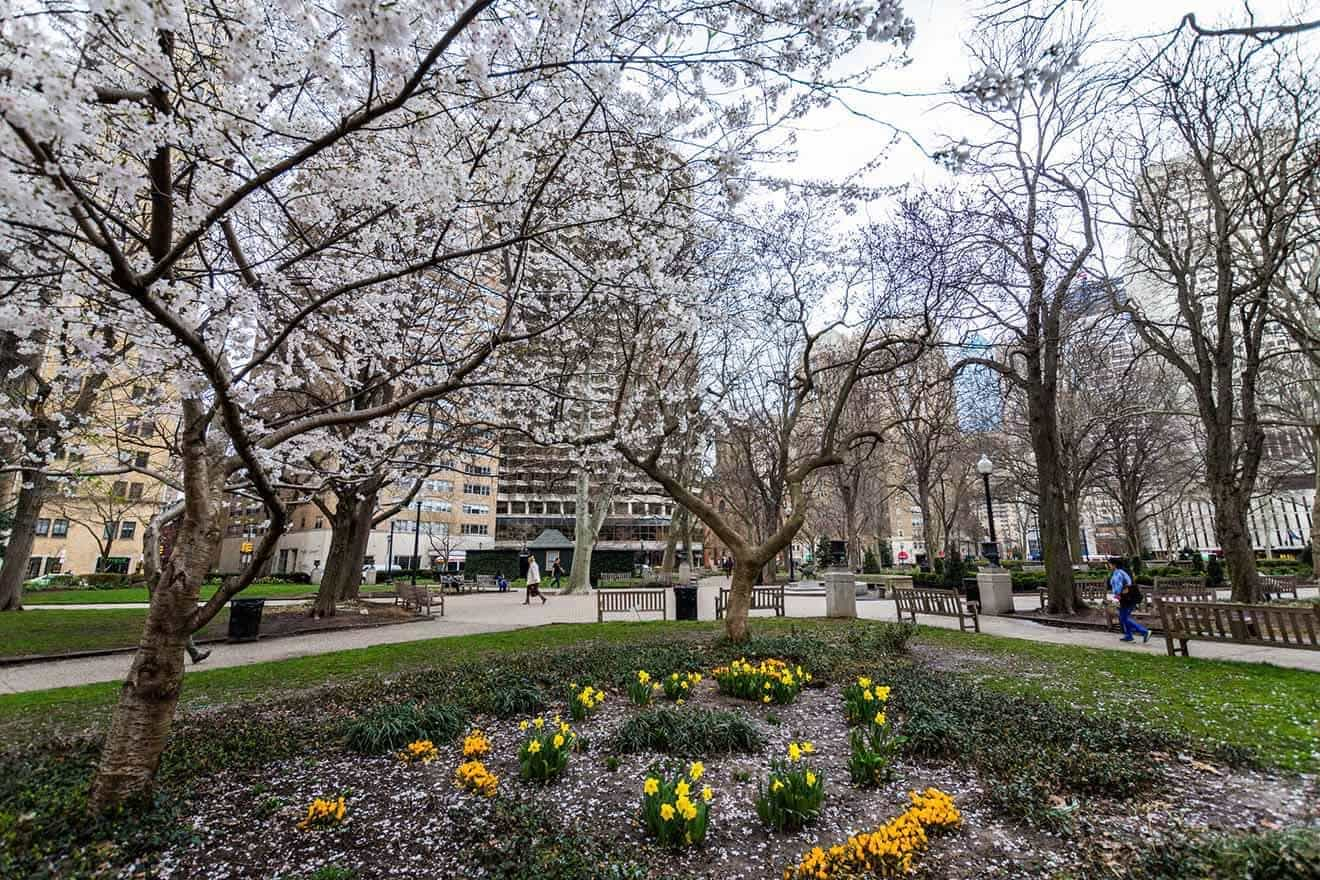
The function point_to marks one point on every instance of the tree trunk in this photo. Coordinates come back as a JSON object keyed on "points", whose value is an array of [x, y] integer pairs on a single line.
{"points": [[669, 561], [1042, 417], [587, 524], [142, 718], [740, 598], [687, 540], [350, 532], [359, 538], [1315, 504], [850, 529], [22, 534], [1073, 508], [1235, 542]]}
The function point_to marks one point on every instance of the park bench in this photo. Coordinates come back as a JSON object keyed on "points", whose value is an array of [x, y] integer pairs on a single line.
{"points": [[1191, 591], [1274, 626], [1276, 586], [484, 583], [1092, 590], [630, 602], [608, 577], [417, 597], [770, 598], [941, 603]]}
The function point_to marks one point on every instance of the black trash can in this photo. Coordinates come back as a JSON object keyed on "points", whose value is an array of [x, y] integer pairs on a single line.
{"points": [[245, 619], [685, 603], [971, 589]]}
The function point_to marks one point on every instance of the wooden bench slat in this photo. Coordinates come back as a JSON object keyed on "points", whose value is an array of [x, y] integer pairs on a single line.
{"points": [[764, 598], [1265, 625], [935, 602], [628, 601]]}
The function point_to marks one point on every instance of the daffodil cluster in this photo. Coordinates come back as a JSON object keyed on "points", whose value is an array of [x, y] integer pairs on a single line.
{"points": [[583, 701], [641, 689], [680, 686], [888, 851], [794, 791], [545, 749], [673, 810], [474, 777], [421, 751], [873, 741], [324, 813], [770, 681], [863, 699], [475, 744]]}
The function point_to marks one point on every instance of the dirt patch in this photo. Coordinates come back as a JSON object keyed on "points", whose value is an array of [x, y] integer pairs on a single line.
{"points": [[412, 822]]}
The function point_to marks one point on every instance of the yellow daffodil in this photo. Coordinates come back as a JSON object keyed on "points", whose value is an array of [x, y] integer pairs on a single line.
{"points": [[707, 794], [794, 752], [864, 682], [558, 740], [811, 778], [880, 719], [651, 785], [522, 725], [682, 788], [696, 769], [776, 785], [765, 699], [534, 746], [666, 812], [538, 723], [808, 747]]}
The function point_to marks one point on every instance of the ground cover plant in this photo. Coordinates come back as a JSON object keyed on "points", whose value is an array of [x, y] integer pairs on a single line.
{"points": [[240, 774]]}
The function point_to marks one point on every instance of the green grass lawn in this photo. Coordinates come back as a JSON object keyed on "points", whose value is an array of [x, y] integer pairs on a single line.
{"points": [[126, 595], [24, 633], [1273, 710]]}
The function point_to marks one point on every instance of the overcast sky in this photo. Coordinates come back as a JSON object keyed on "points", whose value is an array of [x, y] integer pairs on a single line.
{"points": [[834, 142]]}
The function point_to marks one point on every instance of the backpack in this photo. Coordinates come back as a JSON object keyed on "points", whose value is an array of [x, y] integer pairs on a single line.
{"points": [[1130, 596]]}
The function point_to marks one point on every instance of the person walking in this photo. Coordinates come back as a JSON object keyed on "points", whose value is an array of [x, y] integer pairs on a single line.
{"points": [[1128, 596], [556, 572], [533, 581]]}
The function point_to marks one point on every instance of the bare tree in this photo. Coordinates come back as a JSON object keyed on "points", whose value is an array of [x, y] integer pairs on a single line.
{"points": [[1219, 188]]}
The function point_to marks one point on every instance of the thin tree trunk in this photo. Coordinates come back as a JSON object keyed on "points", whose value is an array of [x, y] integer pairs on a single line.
{"points": [[22, 535], [1315, 504], [1073, 507], [1235, 542], [1063, 598], [587, 524], [668, 562]]}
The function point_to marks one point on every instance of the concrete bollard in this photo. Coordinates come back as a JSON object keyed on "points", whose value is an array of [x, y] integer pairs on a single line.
{"points": [[996, 588], [840, 594]]}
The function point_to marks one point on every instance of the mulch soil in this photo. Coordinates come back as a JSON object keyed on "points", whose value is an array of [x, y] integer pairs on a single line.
{"points": [[411, 822]]}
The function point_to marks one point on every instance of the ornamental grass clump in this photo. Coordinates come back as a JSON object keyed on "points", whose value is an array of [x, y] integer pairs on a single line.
{"points": [[794, 792], [324, 813], [862, 699], [583, 701], [680, 686], [476, 744], [474, 777], [770, 681], [673, 811], [888, 851], [545, 750], [421, 751], [641, 689]]}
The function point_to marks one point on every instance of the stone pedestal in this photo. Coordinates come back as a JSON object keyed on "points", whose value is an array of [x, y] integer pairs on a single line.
{"points": [[996, 587], [318, 574], [684, 574], [840, 594], [369, 576]]}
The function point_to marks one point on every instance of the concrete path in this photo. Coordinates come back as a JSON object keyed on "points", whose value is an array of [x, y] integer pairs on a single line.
{"points": [[495, 612]]}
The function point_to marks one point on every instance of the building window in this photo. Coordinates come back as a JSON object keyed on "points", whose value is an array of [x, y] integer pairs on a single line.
{"points": [[319, 523], [476, 529], [439, 487], [119, 489], [127, 528], [476, 509], [34, 567], [140, 460], [478, 470], [476, 489], [517, 507], [437, 506], [42, 528], [59, 528], [135, 491], [54, 564]]}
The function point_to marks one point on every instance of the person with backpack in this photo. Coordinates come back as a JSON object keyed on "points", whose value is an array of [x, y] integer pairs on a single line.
{"points": [[1128, 596]]}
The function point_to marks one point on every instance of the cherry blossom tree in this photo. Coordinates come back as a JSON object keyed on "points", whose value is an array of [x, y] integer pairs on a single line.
{"points": [[245, 188]]}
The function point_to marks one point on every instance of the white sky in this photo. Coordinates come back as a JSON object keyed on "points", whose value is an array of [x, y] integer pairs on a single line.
{"points": [[833, 142]]}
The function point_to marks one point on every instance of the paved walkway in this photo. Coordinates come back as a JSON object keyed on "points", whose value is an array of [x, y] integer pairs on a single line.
{"points": [[495, 612]]}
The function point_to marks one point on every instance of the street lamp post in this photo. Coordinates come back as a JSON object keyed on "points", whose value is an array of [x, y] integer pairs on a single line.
{"points": [[417, 536], [991, 550], [389, 552]]}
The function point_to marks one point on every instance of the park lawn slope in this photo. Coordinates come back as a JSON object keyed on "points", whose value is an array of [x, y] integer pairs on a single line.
{"points": [[1269, 710], [129, 595], [34, 633]]}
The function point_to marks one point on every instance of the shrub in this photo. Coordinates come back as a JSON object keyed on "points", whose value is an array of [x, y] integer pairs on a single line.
{"points": [[873, 745], [583, 701], [689, 732], [506, 695], [641, 688], [1214, 572], [324, 813], [880, 639], [1273, 855], [391, 727], [863, 699], [794, 791], [680, 687], [534, 842], [545, 750], [672, 812], [474, 777], [869, 563], [770, 681], [889, 850]]}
